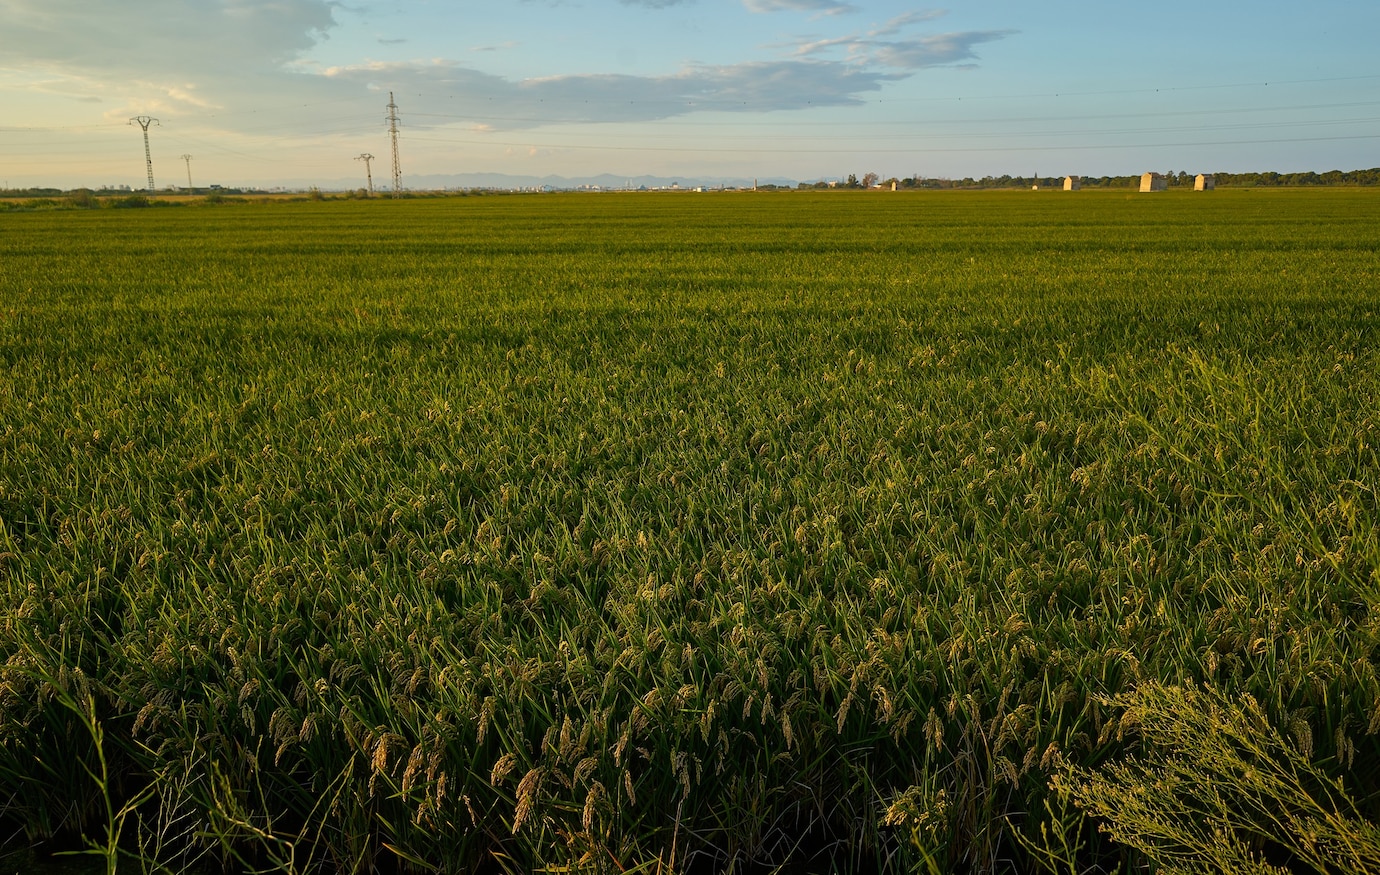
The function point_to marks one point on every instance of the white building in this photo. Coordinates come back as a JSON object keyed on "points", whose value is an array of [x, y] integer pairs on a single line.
{"points": [[1204, 182], [1073, 183], [1153, 182]]}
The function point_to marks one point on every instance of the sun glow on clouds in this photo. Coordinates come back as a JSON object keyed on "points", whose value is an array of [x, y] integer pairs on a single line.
{"points": [[160, 61], [750, 87], [733, 79], [808, 73], [235, 70]]}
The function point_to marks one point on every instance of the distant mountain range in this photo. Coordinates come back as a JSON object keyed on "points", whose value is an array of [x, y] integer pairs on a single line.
{"points": [[437, 181]]}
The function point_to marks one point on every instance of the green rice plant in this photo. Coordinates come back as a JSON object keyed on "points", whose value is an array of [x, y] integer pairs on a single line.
{"points": [[619, 533], [70, 693], [1218, 789]]}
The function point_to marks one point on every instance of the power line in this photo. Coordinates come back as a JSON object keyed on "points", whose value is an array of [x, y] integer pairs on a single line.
{"points": [[680, 121], [393, 133], [1166, 90], [677, 131], [144, 121], [878, 101], [906, 136], [368, 173], [691, 105], [228, 151], [893, 122], [675, 126], [898, 149], [1011, 96]]}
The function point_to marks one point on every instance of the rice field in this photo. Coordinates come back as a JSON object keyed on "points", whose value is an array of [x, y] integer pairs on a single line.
{"points": [[915, 532]]}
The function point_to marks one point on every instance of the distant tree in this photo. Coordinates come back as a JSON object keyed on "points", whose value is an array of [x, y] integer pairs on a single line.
{"points": [[83, 198], [870, 179], [852, 180]]}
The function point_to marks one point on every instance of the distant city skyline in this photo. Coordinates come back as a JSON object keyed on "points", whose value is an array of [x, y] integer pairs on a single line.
{"points": [[292, 91]]}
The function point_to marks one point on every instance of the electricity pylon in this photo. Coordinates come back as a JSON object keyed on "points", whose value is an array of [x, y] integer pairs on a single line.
{"points": [[188, 159], [393, 132], [368, 173], [144, 121]]}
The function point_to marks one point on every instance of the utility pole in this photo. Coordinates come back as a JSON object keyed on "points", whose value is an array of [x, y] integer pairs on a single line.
{"points": [[144, 121], [188, 159], [393, 132], [368, 173]]}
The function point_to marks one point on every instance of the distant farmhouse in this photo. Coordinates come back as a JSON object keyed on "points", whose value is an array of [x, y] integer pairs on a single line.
{"points": [[1204, 182], [1073, 183], [1153, 182]]}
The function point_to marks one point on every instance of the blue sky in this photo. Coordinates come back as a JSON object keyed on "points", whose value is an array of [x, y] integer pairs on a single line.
{"points": [[268, 91]]}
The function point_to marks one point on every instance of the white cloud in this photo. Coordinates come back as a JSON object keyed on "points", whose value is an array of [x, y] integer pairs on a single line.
{"points": [[237, 66], [185, 36], [937, 50], [876, 47], [161, 56], [474, 96]]}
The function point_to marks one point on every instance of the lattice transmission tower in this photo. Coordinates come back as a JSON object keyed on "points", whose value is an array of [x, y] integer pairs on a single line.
{"points": [[393, 133], [368, 172], [188, 159], [144, 121]]}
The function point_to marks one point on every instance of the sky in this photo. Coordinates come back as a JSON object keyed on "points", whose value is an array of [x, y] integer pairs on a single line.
{"points": [[267, 92]]}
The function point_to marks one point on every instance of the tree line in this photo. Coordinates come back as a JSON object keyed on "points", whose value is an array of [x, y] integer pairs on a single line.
{"points": [[82, 196], [1175, 178]]}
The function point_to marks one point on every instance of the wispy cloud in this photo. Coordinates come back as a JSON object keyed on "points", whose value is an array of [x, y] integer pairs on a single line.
{"points": [[472, 95], [895, 25], [254, 70], [936, 50], [163, 35], [878, 46], [822, 7], [172, 57]]}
